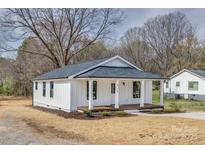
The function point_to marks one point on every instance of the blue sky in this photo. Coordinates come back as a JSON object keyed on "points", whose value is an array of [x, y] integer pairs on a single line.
{"points": [[137, 17]]}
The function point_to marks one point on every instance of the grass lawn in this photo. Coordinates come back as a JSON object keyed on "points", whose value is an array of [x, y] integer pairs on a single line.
{"points": [[182, 104]]}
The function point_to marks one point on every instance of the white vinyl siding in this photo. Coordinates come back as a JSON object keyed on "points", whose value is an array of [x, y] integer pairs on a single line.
{"points": [[117, 63], [61, 95]]}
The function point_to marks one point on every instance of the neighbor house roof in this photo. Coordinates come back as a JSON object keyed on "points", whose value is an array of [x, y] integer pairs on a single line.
{"points": [[94, 68], [118, 72], [198, 73]]}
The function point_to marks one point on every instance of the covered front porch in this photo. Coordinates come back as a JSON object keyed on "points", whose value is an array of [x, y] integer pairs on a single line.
{"points": [[121, 94], [118, 87]]}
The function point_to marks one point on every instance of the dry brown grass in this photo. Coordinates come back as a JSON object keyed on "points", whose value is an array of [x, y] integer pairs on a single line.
{"points": [[117, 130]]}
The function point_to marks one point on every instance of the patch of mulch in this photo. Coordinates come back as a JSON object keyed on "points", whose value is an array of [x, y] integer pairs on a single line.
{"points": [[76, 115]]}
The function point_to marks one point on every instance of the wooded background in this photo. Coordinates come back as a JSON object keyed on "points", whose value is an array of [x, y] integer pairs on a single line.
{"points": [[53, 38]]}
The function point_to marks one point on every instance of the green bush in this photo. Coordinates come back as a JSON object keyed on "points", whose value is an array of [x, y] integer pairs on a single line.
{"points": [[105, 113], [156, 110], [88, 113], [174, 107], [120, 113], [6, 88]]}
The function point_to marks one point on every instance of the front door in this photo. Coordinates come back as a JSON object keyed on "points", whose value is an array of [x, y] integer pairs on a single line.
{"points": [[112, 90]]}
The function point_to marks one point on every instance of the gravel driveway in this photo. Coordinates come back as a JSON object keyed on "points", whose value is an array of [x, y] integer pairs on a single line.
{"points": [[192, 115], [16, 131]]}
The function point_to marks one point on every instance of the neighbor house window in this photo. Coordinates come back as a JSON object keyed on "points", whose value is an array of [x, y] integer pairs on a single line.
{"points": [[51, 89], [177, 84], [36, 85], [193, 85], [112, 88], [94, 90], [44, 88], [136, 89]]}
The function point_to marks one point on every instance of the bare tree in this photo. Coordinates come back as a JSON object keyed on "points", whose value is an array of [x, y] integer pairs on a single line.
{"points": [[64, 33], [163, 34], [189, 54], [95, 51], [135, 49], [164, 44]]}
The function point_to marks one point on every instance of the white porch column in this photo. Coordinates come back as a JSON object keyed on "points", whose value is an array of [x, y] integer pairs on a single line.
{"points": [[142, 94], [162, 92], [117, 85], [90, 96]]}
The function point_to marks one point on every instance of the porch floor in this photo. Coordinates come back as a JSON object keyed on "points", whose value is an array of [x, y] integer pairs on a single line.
{"points": [[124, 107], [137, 106]]}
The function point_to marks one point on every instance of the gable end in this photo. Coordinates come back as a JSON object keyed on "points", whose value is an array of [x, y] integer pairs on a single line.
{"points": [[114, 61], [190, 72]]}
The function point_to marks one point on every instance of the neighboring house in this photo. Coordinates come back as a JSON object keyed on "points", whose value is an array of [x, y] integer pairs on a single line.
{"points": [[109, 81], [189, 84]]}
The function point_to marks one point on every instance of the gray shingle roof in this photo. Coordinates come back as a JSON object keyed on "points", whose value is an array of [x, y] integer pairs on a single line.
{"points": [[198, 72], [119, 72], [69, 70], [102, 71]]}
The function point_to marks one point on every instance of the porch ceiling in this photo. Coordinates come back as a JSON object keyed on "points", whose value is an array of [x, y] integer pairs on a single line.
{"points": [[119, 72]]}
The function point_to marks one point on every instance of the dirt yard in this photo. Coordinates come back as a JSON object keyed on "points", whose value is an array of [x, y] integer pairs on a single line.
{"points": [[22, 124]]}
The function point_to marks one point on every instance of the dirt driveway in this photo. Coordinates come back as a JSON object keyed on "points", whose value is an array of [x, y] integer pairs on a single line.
{"points": [[22, 124], [20, 130], [17, 131]]}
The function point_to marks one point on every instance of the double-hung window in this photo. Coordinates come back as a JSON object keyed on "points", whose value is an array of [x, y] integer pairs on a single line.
{"points": [[44, 88], [51, 89], [193, 85], [112, 88], [177, 84], [36, 85]]}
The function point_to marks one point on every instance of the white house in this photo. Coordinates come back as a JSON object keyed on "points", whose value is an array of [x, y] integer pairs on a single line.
{"points": [[109, 81], [189, 84]]}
